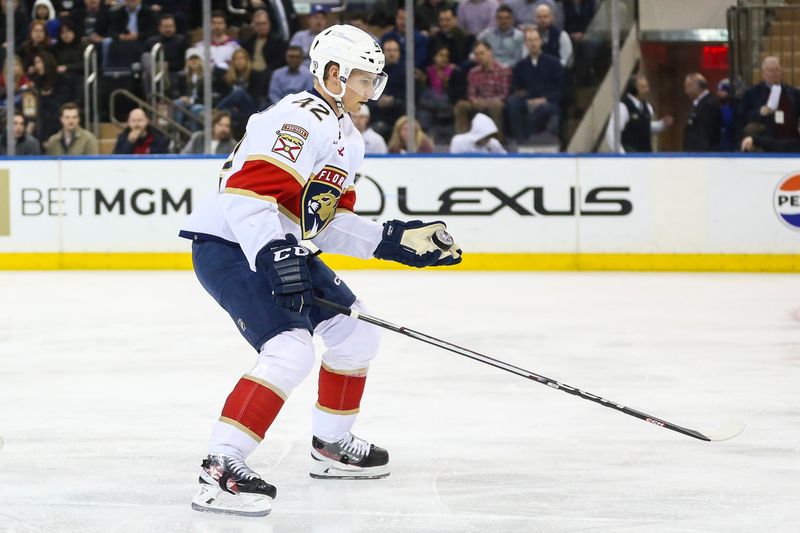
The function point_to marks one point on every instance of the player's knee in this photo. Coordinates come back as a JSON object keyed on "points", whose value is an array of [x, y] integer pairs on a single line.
{"points": [[355, 344], [286, 359]]}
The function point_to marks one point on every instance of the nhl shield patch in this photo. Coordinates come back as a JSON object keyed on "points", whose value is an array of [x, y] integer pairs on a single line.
{"points": [[320, 198], [288, 146]]}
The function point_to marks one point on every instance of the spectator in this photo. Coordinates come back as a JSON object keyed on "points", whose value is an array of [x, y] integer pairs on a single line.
{"points": [[68, 52], [293, 78], [474, 16], [451, 36], [21, 22], [772, 107], [132, 22], [636, 119], [488, 85], [554, 41], [427, 14], [480, 139], [702, 130], [525, 11], [237, 89], [398, 34], [222, 45], [43, 10], [436, 100], [72, 139], [266, 49], [222, 142], [21, 81], [179, 9], [577, 16], [727, 116], [392, 103], [373, 143], [506, 42], [399, 139], [26, 144], [537, 83], [52, 91], [140, 137], [92, 21], [189, 93], [317, 21], [37, 41], [173, 44]]}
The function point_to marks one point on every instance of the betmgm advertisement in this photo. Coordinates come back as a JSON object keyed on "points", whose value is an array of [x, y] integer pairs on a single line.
{"points": [[510, 213]]}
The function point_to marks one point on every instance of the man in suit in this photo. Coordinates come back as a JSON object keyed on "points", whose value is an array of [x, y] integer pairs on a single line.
{"points": [[537, 84], [772, 108], [702, 131]]}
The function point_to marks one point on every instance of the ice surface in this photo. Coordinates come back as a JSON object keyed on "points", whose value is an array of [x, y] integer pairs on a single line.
{"points": [[109, 384]]}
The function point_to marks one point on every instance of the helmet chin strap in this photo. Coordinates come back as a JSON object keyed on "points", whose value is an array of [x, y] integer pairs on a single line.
{"points": [[336, 97]]}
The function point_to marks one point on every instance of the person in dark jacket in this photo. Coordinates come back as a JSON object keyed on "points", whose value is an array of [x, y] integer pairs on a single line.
{"points": [[122, 27], [702, 130], [772, 108], [174, 44], [728, 116], [266, 49], [452, 37], [139, 137], [537, 83], [637, 119], [26, 144]]}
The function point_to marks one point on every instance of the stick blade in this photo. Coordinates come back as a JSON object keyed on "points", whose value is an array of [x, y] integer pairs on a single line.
{"points": [[728, 430]]}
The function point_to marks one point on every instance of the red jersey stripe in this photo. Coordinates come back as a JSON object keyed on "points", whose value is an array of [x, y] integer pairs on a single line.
{"points": [[267, 179]]}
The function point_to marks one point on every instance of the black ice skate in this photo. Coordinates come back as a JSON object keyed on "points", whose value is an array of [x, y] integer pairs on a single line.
{"points": [[228, 486], [349, 458]]}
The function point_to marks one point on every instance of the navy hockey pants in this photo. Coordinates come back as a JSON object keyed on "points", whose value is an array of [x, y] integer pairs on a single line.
{"points": [[223, 271]]}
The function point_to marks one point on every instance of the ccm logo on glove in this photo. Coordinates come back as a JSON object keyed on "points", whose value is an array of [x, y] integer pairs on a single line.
{"points": [[286, 253]]}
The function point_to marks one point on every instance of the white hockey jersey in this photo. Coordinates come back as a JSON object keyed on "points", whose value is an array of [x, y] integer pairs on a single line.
{"points": [[292, 172]]}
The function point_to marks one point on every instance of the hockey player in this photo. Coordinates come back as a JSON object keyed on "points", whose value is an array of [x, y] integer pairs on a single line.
{"points": [[291, 179]]}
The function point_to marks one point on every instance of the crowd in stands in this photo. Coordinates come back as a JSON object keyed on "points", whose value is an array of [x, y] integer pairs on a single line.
{"points": [[489, 76]]}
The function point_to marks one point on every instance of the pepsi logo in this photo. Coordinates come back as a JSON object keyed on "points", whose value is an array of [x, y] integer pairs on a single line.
{"points": [[787, 201]]}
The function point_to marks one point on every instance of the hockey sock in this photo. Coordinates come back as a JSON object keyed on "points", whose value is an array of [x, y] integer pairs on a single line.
{"points": [[338, 403], [248, 412]]}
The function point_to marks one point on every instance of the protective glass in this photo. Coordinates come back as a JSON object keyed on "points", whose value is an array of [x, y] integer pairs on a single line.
{"points": [[369, 86]]}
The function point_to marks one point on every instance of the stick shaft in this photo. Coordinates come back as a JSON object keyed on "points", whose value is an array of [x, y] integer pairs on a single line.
{"points": [[502, 365]]}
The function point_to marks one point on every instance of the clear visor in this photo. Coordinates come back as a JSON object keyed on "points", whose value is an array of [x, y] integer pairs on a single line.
{"points": [[367, 85]]}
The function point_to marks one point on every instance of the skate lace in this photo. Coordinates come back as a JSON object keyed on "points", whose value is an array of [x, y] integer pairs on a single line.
{"points": [[354, 446], [241, 470]]}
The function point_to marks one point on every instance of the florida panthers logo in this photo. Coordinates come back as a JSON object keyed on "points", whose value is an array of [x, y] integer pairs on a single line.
{"points": [[320, 198]]}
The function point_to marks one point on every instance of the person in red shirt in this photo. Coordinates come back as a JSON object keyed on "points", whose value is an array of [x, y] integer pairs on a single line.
{"points": [[488, 84]]}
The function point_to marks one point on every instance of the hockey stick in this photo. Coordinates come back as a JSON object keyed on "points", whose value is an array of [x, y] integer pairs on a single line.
{"points": [[728, 430]]}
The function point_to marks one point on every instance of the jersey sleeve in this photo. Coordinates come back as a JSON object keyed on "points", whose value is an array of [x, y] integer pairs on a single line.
{"points": [[348, 233], [265, 175]]}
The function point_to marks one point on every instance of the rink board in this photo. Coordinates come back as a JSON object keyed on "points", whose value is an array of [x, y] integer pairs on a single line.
{"points": [[511, 213]]}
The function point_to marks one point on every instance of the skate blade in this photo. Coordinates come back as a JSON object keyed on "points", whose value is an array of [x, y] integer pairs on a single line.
{"points": [[214, 500], [327, 470]]}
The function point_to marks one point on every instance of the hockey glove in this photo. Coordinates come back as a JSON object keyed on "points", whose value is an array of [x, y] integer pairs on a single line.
{"points": [[412, 243], [286, 264]]}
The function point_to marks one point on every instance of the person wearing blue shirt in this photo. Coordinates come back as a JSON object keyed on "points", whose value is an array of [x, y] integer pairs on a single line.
{"points": [[291, 78], [537, 84]]}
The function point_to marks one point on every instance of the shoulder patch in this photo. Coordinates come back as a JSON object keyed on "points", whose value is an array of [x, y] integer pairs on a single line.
{"points": [[287, 146], [294, 128]]}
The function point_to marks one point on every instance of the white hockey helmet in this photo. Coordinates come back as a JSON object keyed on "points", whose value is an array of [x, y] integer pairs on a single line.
{"points": [[350, 48]]}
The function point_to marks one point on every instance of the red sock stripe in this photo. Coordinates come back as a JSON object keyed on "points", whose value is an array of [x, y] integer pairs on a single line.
{"points": [[340, 392], [252, 405]]}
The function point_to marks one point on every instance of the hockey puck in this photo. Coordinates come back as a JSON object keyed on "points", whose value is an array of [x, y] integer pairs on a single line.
{"points": [[442, 239]]}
